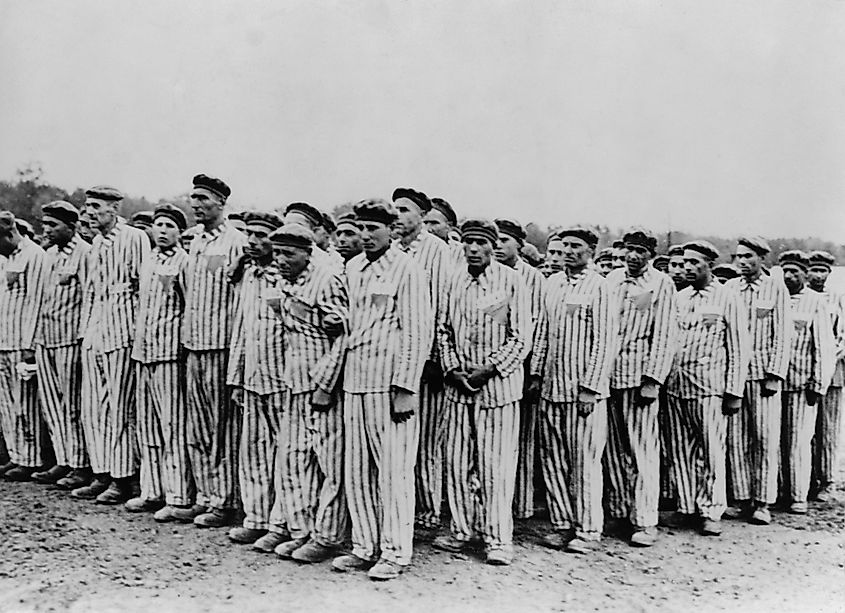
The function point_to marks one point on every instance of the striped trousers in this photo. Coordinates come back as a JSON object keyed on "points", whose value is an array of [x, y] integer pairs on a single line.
{"points": [[310, 446], [799, 420], [481, 452], [108, 411], [523, 499], [699, 430], [632, 459], [214, 425], [828, 435], [753, 445], [429, 467], [379, 477], [257, 453], [667, 482], [162, 433], [19, 412], [60, 395], [571, 448]]}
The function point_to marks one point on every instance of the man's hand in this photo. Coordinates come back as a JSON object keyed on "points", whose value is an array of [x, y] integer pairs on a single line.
{"points": [[433, 375], [648, 392], [532, 391], [459, 379], [586, 402], [321, 401], [402, 404], [731, 404], [238, 395], [333, 325], [771, 386], [480, 375], [236, 270], [28, 356], [812, 397]]}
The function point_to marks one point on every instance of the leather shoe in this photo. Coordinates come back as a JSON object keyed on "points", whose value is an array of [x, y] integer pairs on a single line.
{"points": [[49, 477], [271, 540], [761, 516], [286, 549], [313, 552], [499, 556], [19, 473], [184, 514], [349, 562], [824, 494], [711, 528], [142, 505], [447, 542], [557, 539], [7, 467], [215, 518], [245, 536], [116, 493], [644, 537], [580, 546], [385, 570], [89, 492], [798, 508], [78, 477]]}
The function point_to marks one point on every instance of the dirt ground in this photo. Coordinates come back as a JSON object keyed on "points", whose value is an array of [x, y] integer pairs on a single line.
{"points": [[58, 554]]}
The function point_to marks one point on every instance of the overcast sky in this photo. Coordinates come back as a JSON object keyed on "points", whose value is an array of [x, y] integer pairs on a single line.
{"points": [[714, 117]]}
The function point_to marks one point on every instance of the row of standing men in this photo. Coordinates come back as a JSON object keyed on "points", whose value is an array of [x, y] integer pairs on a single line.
{"points": [[315, 384]]}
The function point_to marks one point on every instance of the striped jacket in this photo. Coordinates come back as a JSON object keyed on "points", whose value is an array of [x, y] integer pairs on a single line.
{"points": [[836, 307], [312, 360], [256, 358], [712, 358], [577, 337], [21, 295], [535, 284], [486, 319], [765, 301], [113, 282], [811, 361], [65, 279], [210, 298], [648, 326], [391, 324], [162, 306]]}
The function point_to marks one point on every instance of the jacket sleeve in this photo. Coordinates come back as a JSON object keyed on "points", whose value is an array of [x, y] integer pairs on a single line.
{"points": [[665, 333], [597, 372], [416, 328], [781, 341], [737, 345], [512, 354]]}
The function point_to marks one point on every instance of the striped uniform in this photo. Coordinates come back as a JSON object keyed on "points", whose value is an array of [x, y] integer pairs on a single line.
{"points": [[485, 320], [811, 367], [574, 350], [390, 335], [162, 413], [256, 364], [754, 432], [432, 255], [829, 419], [213, 419], [648, 337], [712, 361], [58, 350], [523, 501], [21, 292], [310, 455], [108, 408]]}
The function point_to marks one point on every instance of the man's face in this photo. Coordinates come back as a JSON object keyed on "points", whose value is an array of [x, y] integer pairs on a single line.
{"points": [[291, 260], [748, 262], [697, 268], [436, 223], [618, 257], [321, 237], [817, 277], [605, 266], [102, 213], [576, 251], [554, 255], [375, 236], [56, 232], [165, 232], [677, 271], [794, 277], [7, 247], [636, 257], [348, 241], [410, 217], [207, 206], [507, 250], [478, 251], [258, 245]]}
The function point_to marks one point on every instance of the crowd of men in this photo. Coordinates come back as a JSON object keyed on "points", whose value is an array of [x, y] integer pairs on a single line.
{"points": [[332, 381]]}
